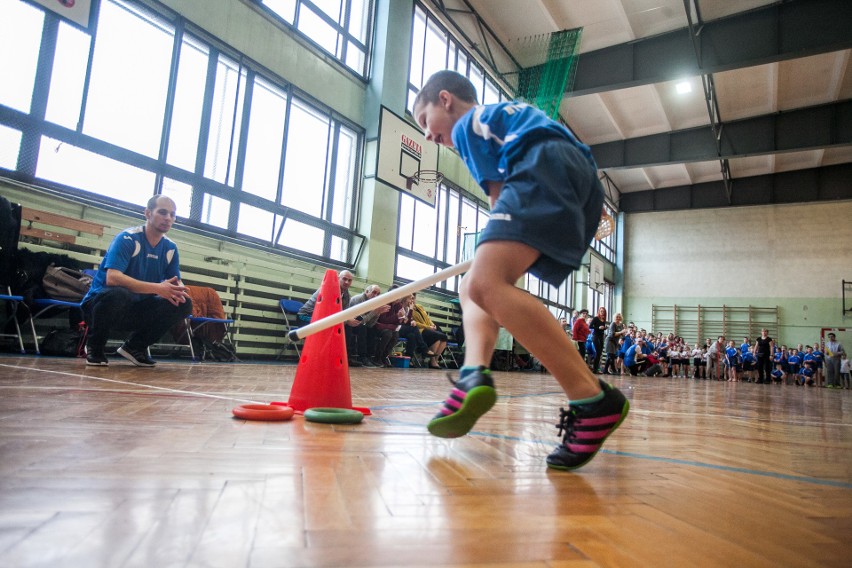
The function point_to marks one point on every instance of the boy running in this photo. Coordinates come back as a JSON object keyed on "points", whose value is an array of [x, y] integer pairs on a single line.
{"points": [[546, 203]]}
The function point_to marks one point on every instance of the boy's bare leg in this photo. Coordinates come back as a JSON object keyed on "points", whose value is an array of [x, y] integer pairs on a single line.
{"points": [[480, 331], [490, 294]]}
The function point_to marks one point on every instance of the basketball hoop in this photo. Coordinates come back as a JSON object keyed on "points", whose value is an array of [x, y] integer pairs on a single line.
{"points": [[428, 177], [606, 226]]}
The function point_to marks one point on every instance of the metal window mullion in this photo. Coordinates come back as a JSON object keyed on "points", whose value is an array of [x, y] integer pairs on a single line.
{"points": [[197, 201], [30, 138], [170, 107], [239, 167]]}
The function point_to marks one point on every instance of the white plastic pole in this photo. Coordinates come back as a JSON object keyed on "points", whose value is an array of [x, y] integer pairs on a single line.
{"points": [[386, 298]]}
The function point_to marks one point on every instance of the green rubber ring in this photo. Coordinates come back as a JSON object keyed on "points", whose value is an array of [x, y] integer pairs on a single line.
{"points": [[334, 415]]}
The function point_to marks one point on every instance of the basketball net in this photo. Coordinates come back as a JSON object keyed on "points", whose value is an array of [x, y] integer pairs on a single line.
{"points": [[606, 226]]}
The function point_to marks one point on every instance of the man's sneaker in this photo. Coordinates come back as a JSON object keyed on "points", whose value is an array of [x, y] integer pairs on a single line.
{"points": [[96, 358], [472, 397], [354, 362], [367, 362], [138, 357], [586, 427]]}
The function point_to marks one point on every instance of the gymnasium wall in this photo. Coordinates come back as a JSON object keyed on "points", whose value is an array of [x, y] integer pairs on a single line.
{"points": [[790, 256]]}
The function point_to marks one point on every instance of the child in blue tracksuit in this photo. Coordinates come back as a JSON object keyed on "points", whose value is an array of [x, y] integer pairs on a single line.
{"points": [[546, 203]]}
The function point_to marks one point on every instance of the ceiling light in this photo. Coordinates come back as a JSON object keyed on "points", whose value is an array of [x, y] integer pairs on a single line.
{"points": [[684, 87]]}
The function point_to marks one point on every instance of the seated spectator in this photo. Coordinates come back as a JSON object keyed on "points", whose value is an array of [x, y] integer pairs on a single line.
{"points": [[432, 336], [368, 340], [356, 334], [137, 288], [414, 341]]}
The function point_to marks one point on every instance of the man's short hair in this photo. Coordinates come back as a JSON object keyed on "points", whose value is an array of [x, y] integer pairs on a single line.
{"points": [[832, 335], [446, 80], [152, 201], [584, 311]]}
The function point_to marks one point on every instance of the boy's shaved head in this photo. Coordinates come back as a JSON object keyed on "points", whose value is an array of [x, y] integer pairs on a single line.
{"points": [[455, 83]]}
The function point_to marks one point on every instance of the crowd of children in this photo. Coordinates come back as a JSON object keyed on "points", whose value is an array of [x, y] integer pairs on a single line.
{"points": [[640, 352]]}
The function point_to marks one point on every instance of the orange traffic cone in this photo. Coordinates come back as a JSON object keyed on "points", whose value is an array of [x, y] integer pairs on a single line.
{"points": [[322, 376]]}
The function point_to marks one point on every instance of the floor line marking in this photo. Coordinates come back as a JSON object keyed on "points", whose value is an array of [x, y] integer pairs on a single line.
{"points": [[116, 381]]}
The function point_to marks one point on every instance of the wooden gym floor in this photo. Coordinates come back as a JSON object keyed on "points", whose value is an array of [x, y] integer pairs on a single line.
{"points": [[126, 467]]}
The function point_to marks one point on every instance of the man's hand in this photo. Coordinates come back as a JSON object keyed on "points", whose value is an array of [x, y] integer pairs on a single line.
{"points": [[173, 290], [354, 322], [382, 309]]}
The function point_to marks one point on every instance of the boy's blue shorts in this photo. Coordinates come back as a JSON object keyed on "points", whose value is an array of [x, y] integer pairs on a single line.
{"points": [[551, 201]]}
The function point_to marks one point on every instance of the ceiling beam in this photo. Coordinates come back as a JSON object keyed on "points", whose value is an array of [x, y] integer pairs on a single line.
{"points": [[829, 183], [810, 128], [778, 32]]}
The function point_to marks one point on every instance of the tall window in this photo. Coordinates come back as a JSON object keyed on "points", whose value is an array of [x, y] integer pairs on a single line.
{"points": [[606, 246], [340, 27], [434, 49], [151, 105], [433, 238]]}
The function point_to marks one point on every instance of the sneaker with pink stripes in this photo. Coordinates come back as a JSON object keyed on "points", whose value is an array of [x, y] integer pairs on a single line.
{"points": [[470, 398], [586, 427]]}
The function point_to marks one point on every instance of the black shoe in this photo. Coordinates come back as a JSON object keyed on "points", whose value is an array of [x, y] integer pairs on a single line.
{"points": [[586, 427], [365, 361], [96, 358], [354, 362], [138, 357], [471, 397], [377, 362]]}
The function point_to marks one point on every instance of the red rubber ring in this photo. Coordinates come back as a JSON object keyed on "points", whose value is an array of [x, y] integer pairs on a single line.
{"points": [[263, 412]]}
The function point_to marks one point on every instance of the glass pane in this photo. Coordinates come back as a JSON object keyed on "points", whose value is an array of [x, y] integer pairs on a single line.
{"points": [[461, 67], [424, 229], [355, 58], [264, 141], [302, 237], [405, 233], [477, 78], [491, 95], [255, 222], [130, 73], [331, 8], [339, 249], [92, 172], [186, 113], [215, 211], [20, 37], [435, 51], [180, 193], [412, 269], [359, 17], [304, 170], [68, 77], [225, 121], [468, 220], [441, 230], [344, 178], [10, 146], [453, 235], [415, 73], [318, 30], [286, 9]]}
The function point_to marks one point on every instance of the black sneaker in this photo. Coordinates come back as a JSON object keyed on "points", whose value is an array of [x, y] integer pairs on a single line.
{"points": [[138, 357], [472, 397], [366, 361], [354, 362], [96, 358], [586, 427]]}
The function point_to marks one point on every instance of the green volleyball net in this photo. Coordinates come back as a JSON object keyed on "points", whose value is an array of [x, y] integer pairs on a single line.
{"points": [[553, 59]]}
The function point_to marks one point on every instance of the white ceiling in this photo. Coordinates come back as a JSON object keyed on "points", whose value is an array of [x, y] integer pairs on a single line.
{"points": [[657, 108]]}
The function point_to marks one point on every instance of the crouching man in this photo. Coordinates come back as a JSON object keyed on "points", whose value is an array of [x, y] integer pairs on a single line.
{"points": [[137, 289]]}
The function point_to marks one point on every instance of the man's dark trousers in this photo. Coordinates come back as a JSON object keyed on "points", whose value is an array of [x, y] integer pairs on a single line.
{"points": [[148, 318]]}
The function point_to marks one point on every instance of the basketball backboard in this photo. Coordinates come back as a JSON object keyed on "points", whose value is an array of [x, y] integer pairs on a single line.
{"points": [[402, 152]]}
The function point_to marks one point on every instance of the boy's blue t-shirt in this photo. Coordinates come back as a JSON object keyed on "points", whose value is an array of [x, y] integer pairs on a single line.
{"points": [[793, 360], [749, 358], [131, 253], [731, 354], [490, 137], [630, 356]]}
